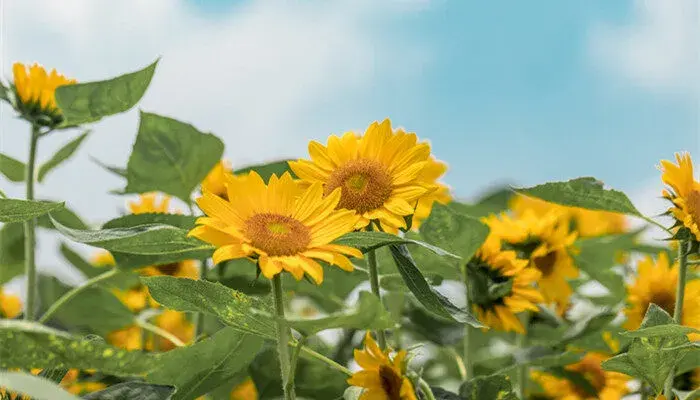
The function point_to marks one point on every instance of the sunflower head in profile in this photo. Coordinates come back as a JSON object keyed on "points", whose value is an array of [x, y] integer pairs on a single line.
{"points": [[382, 175], [683, 192], [502, 285], [606, 384], [655, 283], [215, 181], [382, 376], [283, 225], [547, 243], [35, 93]]}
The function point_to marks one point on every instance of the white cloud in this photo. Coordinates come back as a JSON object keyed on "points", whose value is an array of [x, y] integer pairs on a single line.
{"points": [[659, 49], [254, 75]]}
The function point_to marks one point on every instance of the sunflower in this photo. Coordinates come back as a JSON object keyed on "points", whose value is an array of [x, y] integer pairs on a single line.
{"points": [[547, 243], [432, 172], [382, 376], [656, 283], [245, 391], [608, 385], [35, 90], [215, 181], [282, 224], [10, 305], [502, 269], [684, 192], [103, 259], [150, 203], [381, 175]]}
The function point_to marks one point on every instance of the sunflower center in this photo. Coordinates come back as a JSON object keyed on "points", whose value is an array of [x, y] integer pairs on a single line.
{"points": [[391, 382], [693, 204], [665, 300], [591, 370], [546, 263], [168, 269], [277, 235], [365, 185]]}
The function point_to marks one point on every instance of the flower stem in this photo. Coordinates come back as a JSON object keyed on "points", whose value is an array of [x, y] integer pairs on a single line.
{"points": [[320, 357], [678, 309], [199, 317], [283, 336], [466, 357], [29, 231], [427, 391], [149, 327], [76, 291], [374, 284], [522, 342]]}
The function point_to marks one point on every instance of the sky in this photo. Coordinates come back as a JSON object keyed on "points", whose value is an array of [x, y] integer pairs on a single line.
{"points": [[507, 92]]}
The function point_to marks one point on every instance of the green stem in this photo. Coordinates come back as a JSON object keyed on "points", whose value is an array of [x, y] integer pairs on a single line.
{"points": [[199, 317], [29, 231], [294, 362], [283, 336], [427, 391], [76, 291], [678, 309], [651, 221], [466, 357], [149, 327], [320, 357], [521, 342], [374, 284], [459, 361]]}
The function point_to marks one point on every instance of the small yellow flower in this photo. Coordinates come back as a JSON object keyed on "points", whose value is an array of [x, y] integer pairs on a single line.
{"points": [[503, 266], [656, 283], [135, 299], [382, 376], [150, 203], [382, 175], [35, 90], [684, 192], [215, 181], [287, 227], [10, 305], [103, 258], [245, 391]]}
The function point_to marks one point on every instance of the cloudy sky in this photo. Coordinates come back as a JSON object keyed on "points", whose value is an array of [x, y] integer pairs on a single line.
{"points": [[507, 92]]}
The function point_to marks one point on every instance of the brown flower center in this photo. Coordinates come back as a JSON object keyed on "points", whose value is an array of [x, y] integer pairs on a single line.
{"points": [[546, 263], [693, 204], [391, 382], [277, 235], [168, 269], [365, 185], [665, 300]]}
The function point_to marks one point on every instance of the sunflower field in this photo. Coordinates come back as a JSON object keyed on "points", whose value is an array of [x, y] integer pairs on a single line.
{"points": [[351, 273]]}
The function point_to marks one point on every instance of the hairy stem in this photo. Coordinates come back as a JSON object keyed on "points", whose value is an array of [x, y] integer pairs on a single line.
{"points": [[374, 284], [466, 355], [283, 337], [678, 309], [76, 291], [29, 231]]}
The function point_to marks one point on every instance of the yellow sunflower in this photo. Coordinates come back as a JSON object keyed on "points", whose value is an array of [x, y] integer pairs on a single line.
{"points": [[504, 268], [10, 305], [150, 203], [286, 226], [432, 172], [382, 376], [215, 181], [381, 175], [608, 385], [245, 391], [684, 192], [35, 90], [102, 259], [548, 243], [656, 283]]}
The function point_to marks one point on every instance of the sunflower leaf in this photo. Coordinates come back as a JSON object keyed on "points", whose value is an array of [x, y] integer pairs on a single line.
{"points": [[458, 234], [588, 326], [89, 102], [14, 210], [487, 387], [134, 390], [63, 215], [170, 156], [368, 241], [34, 386], [63, 154], [266, 170], [13, 169]]}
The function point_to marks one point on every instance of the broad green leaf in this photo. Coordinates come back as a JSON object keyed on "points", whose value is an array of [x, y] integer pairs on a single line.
{"points": [[115, 170], [493, 202], [134, 390], [594, 324], [171, 157], [208, 363], [694, 395], [63, 154], [497, 387], [14, 210], [453, 232], [368, 313], [425, 324], [44, 347], [442, 394], [37, 387], [540, 356], [395, 283], [586, 192], [426, 295], [88, 102], [10, 271], [331, 295], [55, 375], [368, 241], [184, 222], [64, 216], [147, 239], [596, 257], [245, 313], [266, 170], [661, 330], [13, 169], [241, 274], [75, 259]]}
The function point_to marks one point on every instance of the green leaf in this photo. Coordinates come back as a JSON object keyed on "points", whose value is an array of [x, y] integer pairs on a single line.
{"points": [[44, 347], [440, 331], [36, 387], [661, 330], [88, 102], [147, 239], [453, 232], [586, 192], [14, 210], [64, 216], [4, 93], [426, 295], [75, 259], [331, 295], [171, 157], [63, 154], [368, 241], [134, 390], [245, 313], [694, 395], [395, 283], [55, 375], [266, 170], [493, 202], [208, 363], [369, 314], [543, 357], [12, 169], [591, 325], [497, 387], [115, 170], [442, 394], [597, 256]]}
